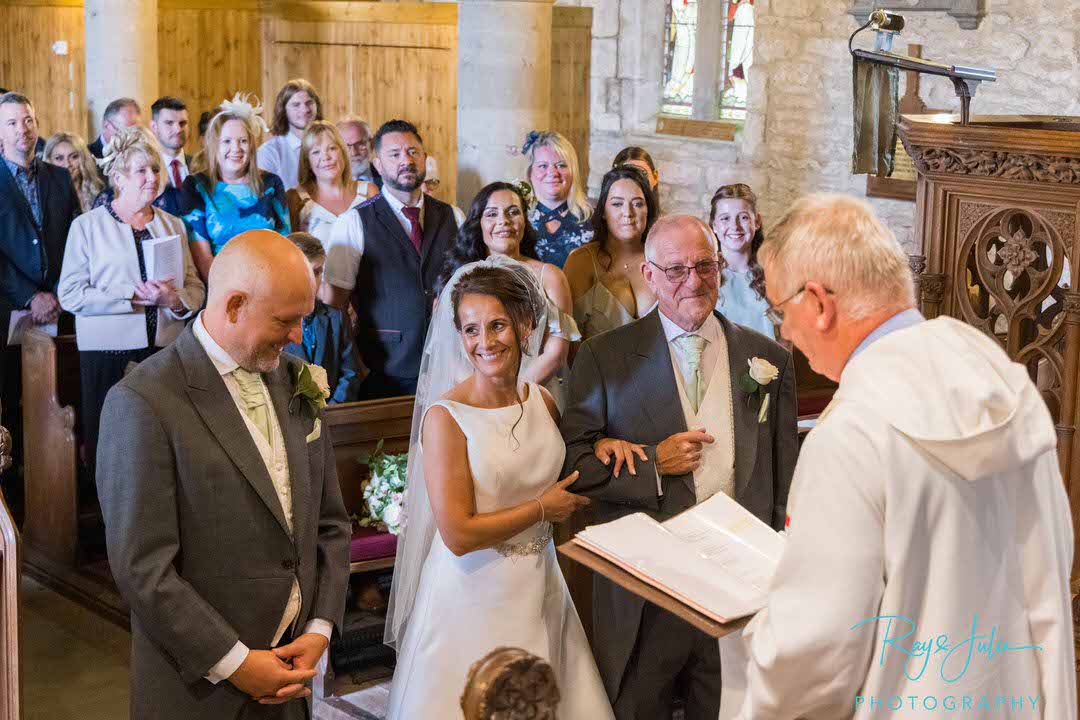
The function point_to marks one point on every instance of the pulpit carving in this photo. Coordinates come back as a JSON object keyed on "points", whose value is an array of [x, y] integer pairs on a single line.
{"points": [[989, 163]]}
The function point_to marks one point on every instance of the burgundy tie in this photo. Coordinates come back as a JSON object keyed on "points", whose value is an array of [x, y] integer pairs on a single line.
{"points": [[416, 233], [175, 165]]}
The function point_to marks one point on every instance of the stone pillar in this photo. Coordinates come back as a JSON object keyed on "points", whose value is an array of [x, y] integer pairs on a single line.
{"points": [[121, 55], [504, 87]]}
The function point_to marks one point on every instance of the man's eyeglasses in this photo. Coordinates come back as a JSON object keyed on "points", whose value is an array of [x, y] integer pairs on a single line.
{"points": [[776, 315], [706, 270]]}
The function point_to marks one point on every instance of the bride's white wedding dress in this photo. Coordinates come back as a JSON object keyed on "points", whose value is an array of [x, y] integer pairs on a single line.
{"points": [[513, 595]]}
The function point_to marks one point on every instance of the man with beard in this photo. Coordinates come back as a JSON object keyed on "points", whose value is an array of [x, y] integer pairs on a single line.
{"points": [[357, 136], [386, 256], [223, 515]]}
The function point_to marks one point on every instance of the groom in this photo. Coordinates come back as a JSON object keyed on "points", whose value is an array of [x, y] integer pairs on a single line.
{"points": [[674, 381], [224, 521]]}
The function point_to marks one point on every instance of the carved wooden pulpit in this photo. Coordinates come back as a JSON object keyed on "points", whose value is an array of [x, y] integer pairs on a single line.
{"points": [[997, 221]]}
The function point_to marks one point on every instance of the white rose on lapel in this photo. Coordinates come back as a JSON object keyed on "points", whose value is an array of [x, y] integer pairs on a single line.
{"points": [[762, 371], [311, 384]]}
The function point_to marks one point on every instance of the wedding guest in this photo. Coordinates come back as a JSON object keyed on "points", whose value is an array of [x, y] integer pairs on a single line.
{"points": [[119, 114], [232, 195], [69, 151], [432, 181], [169, 123], [122, 314], [326, 188], [326, 341], [476, 567], [357, 136], [670, 387], [296, 107], [605, 278], [734, 218], [640, 158], [561, 212], [496, 225], [169, 199], [928, 503], [385, 256], [37, 204]]}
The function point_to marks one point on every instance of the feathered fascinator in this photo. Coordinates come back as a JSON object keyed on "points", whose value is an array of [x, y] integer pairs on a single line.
{"points": [[124, 140], [530, 140], [247, 107]]}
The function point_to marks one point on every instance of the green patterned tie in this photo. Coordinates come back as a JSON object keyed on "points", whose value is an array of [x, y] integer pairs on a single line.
{"points": [[693, 347], [251, 392]]}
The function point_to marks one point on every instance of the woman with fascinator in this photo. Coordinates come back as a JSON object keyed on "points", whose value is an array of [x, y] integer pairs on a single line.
{"points": [[122, 315], [476, 567], [233, 195]]}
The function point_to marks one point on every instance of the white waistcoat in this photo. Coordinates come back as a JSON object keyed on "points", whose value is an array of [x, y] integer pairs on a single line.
{"points": [[715, 415]]}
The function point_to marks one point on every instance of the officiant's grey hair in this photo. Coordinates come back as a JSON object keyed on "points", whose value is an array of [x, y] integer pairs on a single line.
{"points": [[838, 241]]}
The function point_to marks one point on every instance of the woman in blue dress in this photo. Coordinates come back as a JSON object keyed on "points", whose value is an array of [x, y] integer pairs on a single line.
{"points": [[233, 195], [560, 212], [734, 218]]}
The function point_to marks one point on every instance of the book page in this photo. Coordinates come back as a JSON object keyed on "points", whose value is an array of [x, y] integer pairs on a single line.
{"points": [[691, 568], [165, 260]]}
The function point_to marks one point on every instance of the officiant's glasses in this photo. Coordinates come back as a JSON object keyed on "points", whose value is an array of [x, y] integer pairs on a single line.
{"points": [[776, 315], [707, 270]]}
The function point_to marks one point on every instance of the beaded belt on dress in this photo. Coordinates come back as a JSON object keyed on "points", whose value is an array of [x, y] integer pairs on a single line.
{"points": [[532, 547]]}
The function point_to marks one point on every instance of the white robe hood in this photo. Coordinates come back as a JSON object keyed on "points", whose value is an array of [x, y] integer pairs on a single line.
{"points": [[989, 416]]}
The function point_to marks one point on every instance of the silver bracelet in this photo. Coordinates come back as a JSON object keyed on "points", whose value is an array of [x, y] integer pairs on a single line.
{"points": [[542, 513]]}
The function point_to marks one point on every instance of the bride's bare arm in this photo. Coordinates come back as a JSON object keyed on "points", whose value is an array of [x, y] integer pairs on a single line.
{"points": [[453, 499]]}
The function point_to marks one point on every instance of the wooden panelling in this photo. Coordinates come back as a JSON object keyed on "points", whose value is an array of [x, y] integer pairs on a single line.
{"points": [[571, 47], [376, 61], [207, 55], [56, 84]]}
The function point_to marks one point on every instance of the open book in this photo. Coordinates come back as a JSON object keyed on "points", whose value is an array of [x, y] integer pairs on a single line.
{"points": [[716, 557]]}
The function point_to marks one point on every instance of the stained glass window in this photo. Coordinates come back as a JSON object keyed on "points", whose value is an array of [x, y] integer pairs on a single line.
{"points": [[730, 48]]}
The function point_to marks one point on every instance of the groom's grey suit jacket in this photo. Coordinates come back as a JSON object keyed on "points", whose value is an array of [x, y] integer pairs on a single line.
{"points": [[197, 538], [623, 386]]}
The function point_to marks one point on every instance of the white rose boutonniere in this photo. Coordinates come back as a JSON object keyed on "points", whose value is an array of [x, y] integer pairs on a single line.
{"points": [[761, 373], [311, 384]]}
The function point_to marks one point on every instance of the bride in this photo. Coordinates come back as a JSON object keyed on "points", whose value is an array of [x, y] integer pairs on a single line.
{"points": [[476, 567]]}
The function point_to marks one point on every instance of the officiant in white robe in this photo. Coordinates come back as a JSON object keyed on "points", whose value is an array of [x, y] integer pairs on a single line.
{"points": [[926, 571]]}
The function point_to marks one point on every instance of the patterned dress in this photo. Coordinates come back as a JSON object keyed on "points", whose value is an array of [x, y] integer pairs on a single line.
{"points": [[553, 247], [216, 216]]}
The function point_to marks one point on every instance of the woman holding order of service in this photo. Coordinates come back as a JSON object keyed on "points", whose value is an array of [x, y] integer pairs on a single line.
{"points": [[122, 314]]}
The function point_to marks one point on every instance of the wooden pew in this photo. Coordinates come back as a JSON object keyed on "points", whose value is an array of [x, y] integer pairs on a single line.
{"points": [[10, 687]]}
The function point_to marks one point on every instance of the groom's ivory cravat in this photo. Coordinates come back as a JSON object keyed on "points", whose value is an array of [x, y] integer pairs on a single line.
{"points": [[254, 398], [693, 348]]}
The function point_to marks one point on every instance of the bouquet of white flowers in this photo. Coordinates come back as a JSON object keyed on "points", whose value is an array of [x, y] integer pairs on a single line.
{"points": [[385, 490]]}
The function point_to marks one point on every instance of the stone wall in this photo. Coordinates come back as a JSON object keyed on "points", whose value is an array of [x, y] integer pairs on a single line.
{"points": [[797, 137]]}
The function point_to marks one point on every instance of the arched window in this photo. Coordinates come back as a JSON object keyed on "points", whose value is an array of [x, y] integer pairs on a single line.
{"points": [[708, 49]]}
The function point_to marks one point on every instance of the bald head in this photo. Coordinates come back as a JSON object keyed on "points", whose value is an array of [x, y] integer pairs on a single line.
{"points": [[257, 262], [261, 288], [677, 226]]}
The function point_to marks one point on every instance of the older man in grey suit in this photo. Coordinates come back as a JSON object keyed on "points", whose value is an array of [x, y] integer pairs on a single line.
{"points": [[674, 390], [224, 520]]}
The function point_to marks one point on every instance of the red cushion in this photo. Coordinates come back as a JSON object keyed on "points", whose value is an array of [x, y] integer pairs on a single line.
{"points": [[370, 544]]}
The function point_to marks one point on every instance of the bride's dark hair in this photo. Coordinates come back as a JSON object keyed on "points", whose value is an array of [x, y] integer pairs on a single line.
{"points": [[520, 305]]}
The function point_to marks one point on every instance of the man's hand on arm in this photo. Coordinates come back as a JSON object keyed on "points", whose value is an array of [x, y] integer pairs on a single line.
{"points": [[681, 453]]}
